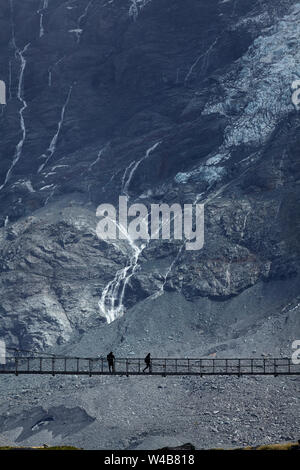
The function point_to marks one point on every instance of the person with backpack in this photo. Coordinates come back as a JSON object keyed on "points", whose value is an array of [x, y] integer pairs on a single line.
{"points": [[148, 363], [111, 361]]}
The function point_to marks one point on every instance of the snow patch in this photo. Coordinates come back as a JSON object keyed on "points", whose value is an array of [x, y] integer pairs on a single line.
{"points": [[208, 174], [136, 6], [261, 85]]}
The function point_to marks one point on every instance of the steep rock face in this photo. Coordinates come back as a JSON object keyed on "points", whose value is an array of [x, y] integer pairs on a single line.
{"points": [[59, 268], [162, 101]]}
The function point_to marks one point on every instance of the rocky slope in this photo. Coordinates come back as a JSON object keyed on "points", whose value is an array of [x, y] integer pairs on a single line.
{"points": [[162, 101], [91, 87]]}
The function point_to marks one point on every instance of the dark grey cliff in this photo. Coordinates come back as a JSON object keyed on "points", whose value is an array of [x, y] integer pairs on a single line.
{"points": [[205, 88]]}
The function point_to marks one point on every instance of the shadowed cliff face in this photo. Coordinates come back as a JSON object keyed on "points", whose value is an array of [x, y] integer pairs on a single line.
{"points": [[162, 101]]}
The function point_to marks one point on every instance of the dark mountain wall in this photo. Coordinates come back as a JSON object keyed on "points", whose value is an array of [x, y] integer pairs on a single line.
{"points": [[165, 101]]}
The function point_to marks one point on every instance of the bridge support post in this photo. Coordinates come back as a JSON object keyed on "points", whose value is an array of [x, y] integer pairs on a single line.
{"points": [[165, 368], [239, 369]]}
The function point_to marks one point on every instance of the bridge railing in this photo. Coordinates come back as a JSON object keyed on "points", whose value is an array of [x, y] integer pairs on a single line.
{"points": [[159, 366]]}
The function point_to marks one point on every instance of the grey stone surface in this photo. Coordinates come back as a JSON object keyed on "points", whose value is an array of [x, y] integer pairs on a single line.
{"points": [[170, 101]]}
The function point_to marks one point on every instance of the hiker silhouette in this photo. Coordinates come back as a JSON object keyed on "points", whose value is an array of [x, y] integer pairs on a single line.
{"points": [[148, 363], [111, 361]]}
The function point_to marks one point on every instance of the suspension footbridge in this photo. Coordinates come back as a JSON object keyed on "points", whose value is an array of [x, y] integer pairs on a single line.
{"points": [[95, 366]]}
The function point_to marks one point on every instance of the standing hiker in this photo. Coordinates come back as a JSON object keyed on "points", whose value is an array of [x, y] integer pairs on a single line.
{"points": [[148, 363], [111, 361]]}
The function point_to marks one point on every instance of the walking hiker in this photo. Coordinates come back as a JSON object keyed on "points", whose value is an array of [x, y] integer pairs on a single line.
{"points": [[111, 361], [148, 363]]}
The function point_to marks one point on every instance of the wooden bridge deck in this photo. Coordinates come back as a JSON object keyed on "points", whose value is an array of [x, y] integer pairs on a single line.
{"points": [[160, 366]]}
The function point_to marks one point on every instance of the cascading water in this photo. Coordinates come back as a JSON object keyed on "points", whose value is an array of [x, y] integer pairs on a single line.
{"points": [[111, 304], [136, 6], [51, 69], [78, 31], [205, 60], [131, 169], [20, 95], [99, 156], [41, 11], [52, 147]]}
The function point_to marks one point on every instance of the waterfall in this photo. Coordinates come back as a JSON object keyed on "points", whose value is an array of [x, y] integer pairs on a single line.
{"points": [[78, 31], [50, 70], [111, 302], [131, 169], [9, 80], [205, 56], [20, 95], [100, 153], [52, 147], [136, 6], [41, 10]]}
